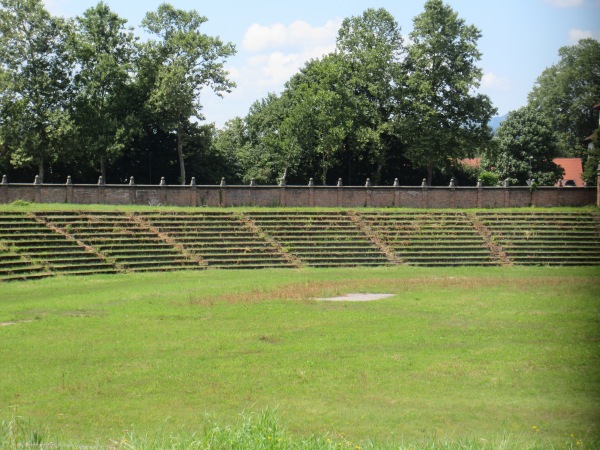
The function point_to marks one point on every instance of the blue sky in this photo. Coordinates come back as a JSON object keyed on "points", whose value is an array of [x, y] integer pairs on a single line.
{"points": [[274, 38]]}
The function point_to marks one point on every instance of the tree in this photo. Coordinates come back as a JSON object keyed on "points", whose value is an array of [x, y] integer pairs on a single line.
{"points": [[337, 113], [567, 91], [231, 143], [318, 120], [35, 84], [525, 146], [103, 50], [179, 66], [442, 119], [372, 48], [264, 155]]}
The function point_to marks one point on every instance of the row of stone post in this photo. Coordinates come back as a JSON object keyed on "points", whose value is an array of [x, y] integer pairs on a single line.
{"points": [[311, 182]]}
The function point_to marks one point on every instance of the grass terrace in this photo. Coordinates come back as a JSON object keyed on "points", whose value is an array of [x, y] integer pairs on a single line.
{"points": [[38, 241]]}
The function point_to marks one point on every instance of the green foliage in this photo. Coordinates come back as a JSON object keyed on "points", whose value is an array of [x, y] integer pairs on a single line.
{"points": [[525, 146], [443, 119], [336, 114], [103, 50], [35, 84], [179, 65], [566, 92], [489, 178]]}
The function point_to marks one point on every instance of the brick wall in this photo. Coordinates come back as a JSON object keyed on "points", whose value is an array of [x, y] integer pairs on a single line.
{"points": [[347, 196]]}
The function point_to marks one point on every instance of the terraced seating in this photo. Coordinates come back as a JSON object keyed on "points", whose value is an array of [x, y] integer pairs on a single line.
{"points": [[431, 238], [221, 239], [542, 238], [41, 251], [319, 238], [40, 244], [122, 241]]}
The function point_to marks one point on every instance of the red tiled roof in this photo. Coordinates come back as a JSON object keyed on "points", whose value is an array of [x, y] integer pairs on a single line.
{"points": [[471, 162], [573, 169]]}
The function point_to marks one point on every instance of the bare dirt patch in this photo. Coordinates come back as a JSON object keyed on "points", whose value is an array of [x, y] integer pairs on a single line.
{"points": [[5, 324]]}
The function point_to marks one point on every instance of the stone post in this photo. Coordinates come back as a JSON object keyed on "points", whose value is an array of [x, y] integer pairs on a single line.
{"points": [[339, 192], [479, 193], [69, 186], [37, 183], [452, 187], [396, 193], [507, 193], [424, 194], [193, 192], [368, 192], [101, 190], [163, 190], [311, 192], [131, 191]]}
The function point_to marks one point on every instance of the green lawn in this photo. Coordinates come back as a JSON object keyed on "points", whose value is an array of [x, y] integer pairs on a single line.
{"points": [[483, 355]]}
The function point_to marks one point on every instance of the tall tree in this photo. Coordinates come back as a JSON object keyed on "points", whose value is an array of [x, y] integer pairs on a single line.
{"points": [[103, 49], [319, 118], [34, 84], [264, 155], [372, 49], [566, 93], [525, 146], [182, 63], [443, 118]]}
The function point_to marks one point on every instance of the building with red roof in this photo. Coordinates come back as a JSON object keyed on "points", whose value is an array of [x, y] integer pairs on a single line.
{"points": [[573, 168]]}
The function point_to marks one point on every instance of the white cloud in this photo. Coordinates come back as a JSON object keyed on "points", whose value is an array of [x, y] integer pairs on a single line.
{"points": [[298, 34], [576, 34], [565, 3], [494, 82]]}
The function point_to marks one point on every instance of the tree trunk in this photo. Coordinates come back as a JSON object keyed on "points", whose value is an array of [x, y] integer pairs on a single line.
{"points": [[41, 170], [103, 167], [180, 154], [324, 172], [429, 174]]}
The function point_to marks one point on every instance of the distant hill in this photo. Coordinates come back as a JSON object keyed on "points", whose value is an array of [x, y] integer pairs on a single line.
{"points": [[496, 121]]}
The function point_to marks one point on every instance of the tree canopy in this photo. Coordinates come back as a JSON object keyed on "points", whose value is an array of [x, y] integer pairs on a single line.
{"points": [[85, 96], [526, 144], [443, 119]]}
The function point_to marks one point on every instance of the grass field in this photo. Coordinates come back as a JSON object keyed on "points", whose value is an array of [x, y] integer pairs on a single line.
{"points": [[493, 357]]}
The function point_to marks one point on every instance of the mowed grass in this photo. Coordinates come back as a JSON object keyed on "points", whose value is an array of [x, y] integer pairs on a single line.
{"points": [[478, 354]]}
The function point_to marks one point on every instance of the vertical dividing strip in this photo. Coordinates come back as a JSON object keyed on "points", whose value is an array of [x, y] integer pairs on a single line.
{"points": [[276, 245], [366, 229], [42, 220], [495, 249], [141, 222]]}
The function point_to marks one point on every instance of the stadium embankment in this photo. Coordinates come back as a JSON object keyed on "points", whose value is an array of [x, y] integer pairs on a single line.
{"points": [[42, 243]]}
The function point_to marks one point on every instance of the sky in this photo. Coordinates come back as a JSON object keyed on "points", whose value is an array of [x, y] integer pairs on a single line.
{"points": [[274, 39]]}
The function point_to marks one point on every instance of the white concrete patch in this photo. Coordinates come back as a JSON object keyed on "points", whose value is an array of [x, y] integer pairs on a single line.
{"points": [[356, 297]]}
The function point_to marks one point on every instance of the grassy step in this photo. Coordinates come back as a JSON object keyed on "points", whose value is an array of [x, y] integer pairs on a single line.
{"points": [[21, 270], [89, 268], [25, 276]]}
